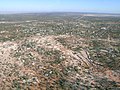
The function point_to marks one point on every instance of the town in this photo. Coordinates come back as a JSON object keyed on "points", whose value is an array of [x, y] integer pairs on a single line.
{"points": [[59, 51]]}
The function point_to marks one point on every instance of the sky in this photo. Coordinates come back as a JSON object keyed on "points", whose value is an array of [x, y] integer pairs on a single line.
{"points": [[24, 6]]}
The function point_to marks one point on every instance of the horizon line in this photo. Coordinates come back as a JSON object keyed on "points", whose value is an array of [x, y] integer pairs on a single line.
{"points": [[37, 12]]}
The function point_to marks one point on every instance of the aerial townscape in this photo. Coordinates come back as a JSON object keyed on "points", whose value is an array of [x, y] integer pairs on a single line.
{"points": [[59, 51], [60, 45]]}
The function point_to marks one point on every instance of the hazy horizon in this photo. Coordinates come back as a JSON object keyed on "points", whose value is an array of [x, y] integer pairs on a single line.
{"points": [[38, 6]]}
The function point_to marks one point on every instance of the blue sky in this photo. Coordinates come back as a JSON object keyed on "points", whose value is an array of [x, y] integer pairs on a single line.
{"points": [[103, 6]]}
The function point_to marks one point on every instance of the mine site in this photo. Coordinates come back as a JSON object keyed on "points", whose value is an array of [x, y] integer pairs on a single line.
{"points": [[59, 51]]}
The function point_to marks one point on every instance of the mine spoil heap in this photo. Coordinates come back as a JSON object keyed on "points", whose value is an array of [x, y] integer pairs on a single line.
{"points": [[47, 63]]}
